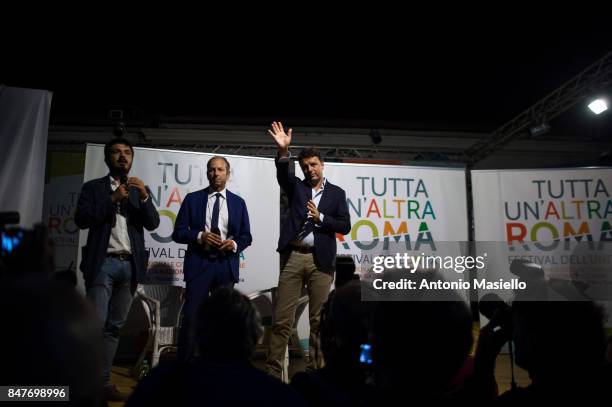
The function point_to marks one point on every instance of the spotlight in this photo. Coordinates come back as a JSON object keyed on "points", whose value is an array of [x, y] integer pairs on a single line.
{"points": [[539, 126], [119, 129], [375, 136], [598, 106], [115, 115], [539, 130]]}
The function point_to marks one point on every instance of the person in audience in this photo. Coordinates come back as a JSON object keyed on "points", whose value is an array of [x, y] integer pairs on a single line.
{"points": [[344, 332], [562, 347], [419, 343], [559, 339], [228, 328], [51, 337]]}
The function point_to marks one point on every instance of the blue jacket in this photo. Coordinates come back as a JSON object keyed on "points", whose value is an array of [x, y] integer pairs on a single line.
{"points": [[190, 222]]}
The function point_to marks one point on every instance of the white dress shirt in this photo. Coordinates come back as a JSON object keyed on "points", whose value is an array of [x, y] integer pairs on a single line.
{"points": [[223, 216], [119, 241], [308, 240]]}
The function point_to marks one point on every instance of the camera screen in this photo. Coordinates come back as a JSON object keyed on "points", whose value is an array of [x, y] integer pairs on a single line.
{"points": [[10, 241], [365, 356]]}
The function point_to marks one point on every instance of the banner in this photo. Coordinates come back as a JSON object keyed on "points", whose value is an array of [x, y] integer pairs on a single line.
{"points": [[390, 204], [556, 221], [24, 125], [171, 175], [62, 188], [397, 208]]}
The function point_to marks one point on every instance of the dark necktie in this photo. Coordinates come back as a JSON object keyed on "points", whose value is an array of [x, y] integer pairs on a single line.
{"points": [[306, 229], [308, 226], [214, 220]]}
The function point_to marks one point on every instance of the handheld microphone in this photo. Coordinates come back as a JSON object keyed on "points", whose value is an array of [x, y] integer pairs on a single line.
{"points": [[500, 315], [123, 179], [497, 311]]}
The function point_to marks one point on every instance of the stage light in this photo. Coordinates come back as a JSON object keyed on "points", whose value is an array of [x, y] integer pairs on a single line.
{"points": [[119, 129], [375, 136], [598, 106], [115, 115], [539, 130]]}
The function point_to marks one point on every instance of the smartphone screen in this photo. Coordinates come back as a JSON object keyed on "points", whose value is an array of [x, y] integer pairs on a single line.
{"points": [[365, 356]]}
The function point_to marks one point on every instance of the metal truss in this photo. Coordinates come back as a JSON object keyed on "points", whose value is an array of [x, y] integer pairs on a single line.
{"points": [[335, 144], [593, 78], [328, 153]]}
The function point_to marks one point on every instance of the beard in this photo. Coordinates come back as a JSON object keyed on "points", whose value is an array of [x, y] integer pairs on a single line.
{"points": [[117, 169]]}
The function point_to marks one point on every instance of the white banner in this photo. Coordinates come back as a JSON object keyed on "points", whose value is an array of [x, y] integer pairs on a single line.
{"points": [[63, 183], [171, 175], [541, 205], [61, 196], [413, 204], [24, 125], [550, 217]]}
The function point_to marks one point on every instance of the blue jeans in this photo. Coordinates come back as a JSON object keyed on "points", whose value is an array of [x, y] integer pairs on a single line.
{"points": [[110, 294]]}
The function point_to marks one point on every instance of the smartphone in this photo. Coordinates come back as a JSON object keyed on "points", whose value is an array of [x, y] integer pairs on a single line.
{"points": [[11, 239], [365, 357]]}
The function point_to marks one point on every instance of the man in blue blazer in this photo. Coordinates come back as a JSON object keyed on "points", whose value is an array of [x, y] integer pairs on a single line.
{"points": [[115, 208], [307, 244], [214, 223]]}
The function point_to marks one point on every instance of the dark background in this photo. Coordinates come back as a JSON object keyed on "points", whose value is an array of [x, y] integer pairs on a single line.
{"points": [[462, 78]]}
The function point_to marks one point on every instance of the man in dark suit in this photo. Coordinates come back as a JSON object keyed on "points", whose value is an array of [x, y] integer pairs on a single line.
{"points": [[214, 223], [115, 209], [307, 243]]}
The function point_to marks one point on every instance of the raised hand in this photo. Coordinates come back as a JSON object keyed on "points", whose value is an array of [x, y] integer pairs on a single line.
{"points": [[282, 139]]}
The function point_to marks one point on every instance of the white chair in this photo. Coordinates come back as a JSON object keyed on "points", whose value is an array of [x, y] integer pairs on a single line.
{"points": [[162, 304], [265, 301]]}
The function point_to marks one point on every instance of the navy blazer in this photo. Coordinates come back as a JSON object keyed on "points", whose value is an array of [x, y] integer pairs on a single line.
{"points": [[336, 217], [190, 222], [95, 211]]}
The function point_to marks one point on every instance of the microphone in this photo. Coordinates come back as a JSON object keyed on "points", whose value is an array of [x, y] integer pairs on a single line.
{"points": [[500, 315], [123, 179], [496, 310]]}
